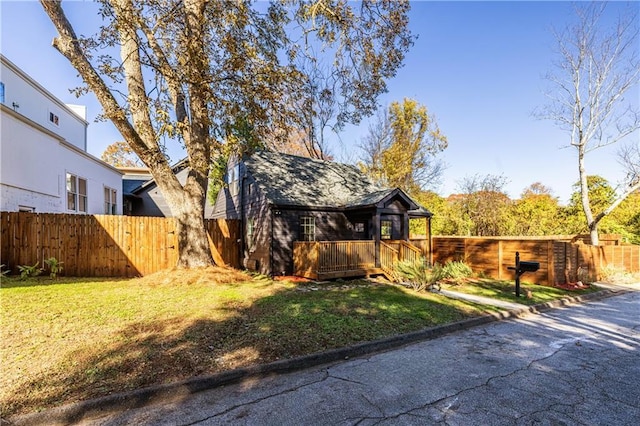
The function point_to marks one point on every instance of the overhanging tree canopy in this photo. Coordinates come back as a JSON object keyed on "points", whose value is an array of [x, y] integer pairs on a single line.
{"points": [[213, 73]]}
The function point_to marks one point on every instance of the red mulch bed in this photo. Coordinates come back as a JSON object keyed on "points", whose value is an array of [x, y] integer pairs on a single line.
{"points": [[572, 286]]}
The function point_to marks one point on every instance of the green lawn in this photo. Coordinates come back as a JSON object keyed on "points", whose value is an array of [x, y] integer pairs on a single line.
{"points": [[74, 339], [505, 290]]}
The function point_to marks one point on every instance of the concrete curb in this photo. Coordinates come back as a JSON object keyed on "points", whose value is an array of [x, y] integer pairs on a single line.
{"points": [[96, 408]]}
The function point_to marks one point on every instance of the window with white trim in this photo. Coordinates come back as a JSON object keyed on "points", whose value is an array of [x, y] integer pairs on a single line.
{"points": [[110, 201], [76, 193], [307, 228]]}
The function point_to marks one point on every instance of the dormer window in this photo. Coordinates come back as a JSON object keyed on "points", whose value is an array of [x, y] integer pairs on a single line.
{"points": [[54, 118]]}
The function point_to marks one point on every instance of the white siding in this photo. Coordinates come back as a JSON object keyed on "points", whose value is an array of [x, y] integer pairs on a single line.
{"points": [[34, 164], [29, 157], [36, 155], [35, 102]]}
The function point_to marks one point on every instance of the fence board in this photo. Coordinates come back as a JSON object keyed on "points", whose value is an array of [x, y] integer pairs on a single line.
{"points": [[122, 246], [4, 236], [561, 261]]}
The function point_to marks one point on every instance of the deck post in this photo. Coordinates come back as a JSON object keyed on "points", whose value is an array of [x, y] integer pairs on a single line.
{"points": [[405, 226], [375, 229], [316, 257], [430, 239]]}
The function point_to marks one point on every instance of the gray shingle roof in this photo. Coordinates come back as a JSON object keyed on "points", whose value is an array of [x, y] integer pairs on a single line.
{"points": [[289, 180]]}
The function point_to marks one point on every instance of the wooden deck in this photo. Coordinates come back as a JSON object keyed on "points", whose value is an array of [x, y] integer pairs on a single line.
{"points": [[321, 260]]}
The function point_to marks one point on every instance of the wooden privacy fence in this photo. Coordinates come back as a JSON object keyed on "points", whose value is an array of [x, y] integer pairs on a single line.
{"points": [[560, 261], [581, 262], [107, 246]]}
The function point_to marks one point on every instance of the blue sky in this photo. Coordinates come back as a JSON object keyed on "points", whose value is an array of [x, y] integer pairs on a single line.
{"points": [[477, 66]]}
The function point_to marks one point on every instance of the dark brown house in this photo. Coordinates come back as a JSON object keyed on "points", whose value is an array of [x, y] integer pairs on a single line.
{"points": [[316, 218]]}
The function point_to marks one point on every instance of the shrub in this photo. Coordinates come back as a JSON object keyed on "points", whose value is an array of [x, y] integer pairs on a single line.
{"points": [[457, 270], [55, 266], [618, 275], [418, 275], [27, 271], [4, 272]]}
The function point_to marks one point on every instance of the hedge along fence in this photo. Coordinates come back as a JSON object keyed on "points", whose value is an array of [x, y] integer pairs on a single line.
{"points": [[106, 246], [560, 261]]}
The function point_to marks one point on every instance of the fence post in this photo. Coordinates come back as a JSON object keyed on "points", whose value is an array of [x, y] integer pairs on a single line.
{"points": [[551, 264], [499, 259]]}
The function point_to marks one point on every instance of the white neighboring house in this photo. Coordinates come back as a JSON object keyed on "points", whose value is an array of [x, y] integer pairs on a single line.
{"points": [[44, 163]]}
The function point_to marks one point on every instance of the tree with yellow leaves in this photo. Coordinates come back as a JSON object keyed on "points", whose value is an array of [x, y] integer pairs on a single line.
{"points": [[402, 146]]}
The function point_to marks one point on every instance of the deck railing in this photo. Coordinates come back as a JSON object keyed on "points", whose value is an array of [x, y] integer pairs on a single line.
{"points": [[406, 251], [346, 255], [313, 258], [388, 258]]}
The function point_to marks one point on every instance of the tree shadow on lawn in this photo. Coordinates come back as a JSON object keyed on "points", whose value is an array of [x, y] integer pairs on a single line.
{"points": [[286, 324]]}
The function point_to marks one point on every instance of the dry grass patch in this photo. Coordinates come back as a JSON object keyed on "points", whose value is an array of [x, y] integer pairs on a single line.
{"points": [[202, 276], [75, 339]]}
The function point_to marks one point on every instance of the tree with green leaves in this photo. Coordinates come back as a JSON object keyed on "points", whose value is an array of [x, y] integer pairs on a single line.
{"points": [[436, 205], [401, 148], [483, 206], [624, 220], [601, 195], [208, 74], [536, 212], [596, 69]]}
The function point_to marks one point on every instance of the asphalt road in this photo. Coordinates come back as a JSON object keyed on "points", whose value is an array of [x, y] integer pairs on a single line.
{"points": [[578, 365]]}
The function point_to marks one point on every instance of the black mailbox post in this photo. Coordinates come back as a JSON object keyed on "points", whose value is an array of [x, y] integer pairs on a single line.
{"points": [[521, 268]]}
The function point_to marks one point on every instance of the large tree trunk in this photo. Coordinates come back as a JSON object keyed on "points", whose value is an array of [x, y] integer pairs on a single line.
{"points": [[193, 242], [186, 202], [593, 232], [187, 207]]}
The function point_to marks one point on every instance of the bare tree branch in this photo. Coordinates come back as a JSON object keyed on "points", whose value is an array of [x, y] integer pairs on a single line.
{"points": [[629, 159], [597, 67]]}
